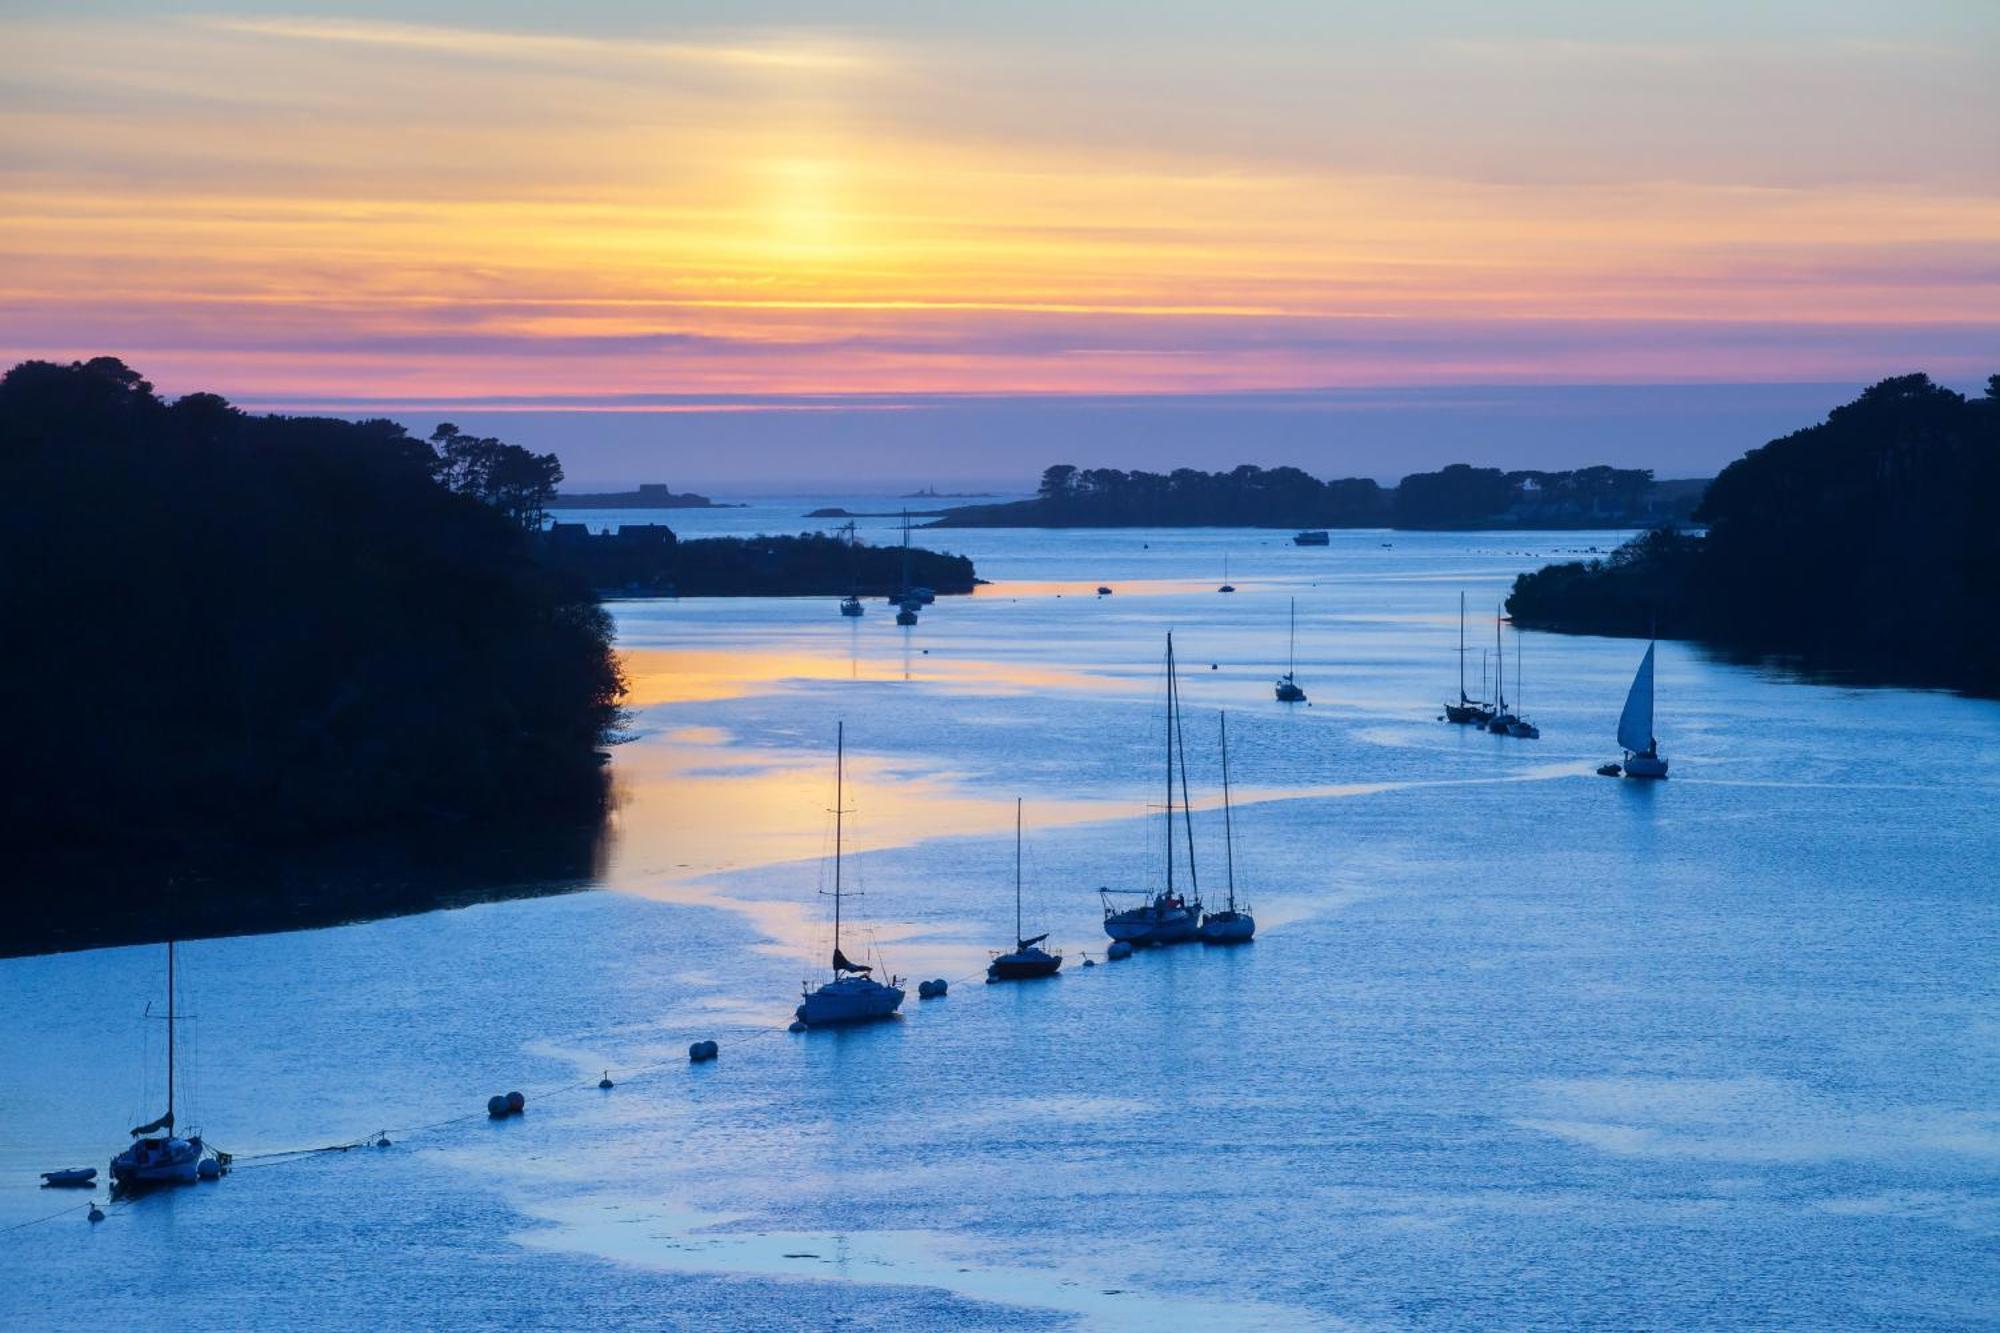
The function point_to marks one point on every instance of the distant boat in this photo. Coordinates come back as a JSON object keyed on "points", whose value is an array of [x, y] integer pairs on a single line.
{"points": [[1028, 959], [1499, 719], [1227, 586], [1314, 537], [852, 996], [1165, 917], [1521, 727], [1635, 724], [158, 1156], [850, 605], [1232, 925], [1467, 710], [1288, 686], [906, 614]]}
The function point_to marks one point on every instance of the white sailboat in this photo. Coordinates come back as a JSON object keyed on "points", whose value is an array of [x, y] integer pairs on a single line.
{"points": [[1028, 958], [1233, 924], [159, 1156], [1166, 917], [852, 996], [1635, 725], [1288, 686]]}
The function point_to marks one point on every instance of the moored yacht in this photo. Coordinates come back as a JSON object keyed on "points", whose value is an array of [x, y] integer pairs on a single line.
{"points": [[1233, 924], [1288, 689], [1028, 958], [850, 605], [1499, 721], [852, 996], [1467, 710], [159, 1156], [1168, 916]]}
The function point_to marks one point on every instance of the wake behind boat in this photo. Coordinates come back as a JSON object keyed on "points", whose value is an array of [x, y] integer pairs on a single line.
{"points": [[852, 996], [1166, 917]]}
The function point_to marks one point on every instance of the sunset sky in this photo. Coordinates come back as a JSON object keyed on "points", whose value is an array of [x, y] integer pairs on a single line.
{"points": [[1073, 215]]}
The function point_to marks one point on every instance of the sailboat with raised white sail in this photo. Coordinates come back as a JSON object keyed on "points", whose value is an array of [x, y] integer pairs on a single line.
{"points": [[1635, 724], [1233, 924], [853, 995], [158, 1155], [1166, 917], [1028, 958], [1289, 691]]}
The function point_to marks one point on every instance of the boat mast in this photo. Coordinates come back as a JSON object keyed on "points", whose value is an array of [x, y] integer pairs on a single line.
{"points": [[1461, 645], [1499, 666], [1228, 829], [170, 1036], [1178, 739], [1170, 763], [839, 813], [1017, 871], [1292, 646]]}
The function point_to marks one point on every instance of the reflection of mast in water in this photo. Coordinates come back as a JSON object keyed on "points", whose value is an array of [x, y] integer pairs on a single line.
{"points": [[906, 653]]}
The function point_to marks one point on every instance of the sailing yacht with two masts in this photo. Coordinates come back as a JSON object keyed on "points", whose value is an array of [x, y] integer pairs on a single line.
{"points": [[852, 996], [1166, 917]]}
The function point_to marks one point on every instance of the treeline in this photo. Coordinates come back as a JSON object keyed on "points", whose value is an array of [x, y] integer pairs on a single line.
{"points": [[1459, 496], [1865, 544], [227, 628], [648, 560]]}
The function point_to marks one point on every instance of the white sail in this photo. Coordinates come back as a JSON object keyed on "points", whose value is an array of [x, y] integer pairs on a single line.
{"points": [[1635, 724]]}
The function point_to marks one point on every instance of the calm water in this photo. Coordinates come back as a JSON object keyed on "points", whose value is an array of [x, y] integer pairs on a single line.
{"points": [[1516, 1046]]}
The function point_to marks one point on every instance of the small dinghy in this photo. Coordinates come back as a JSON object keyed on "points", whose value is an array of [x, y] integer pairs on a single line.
{"points": [[69, 1178]]}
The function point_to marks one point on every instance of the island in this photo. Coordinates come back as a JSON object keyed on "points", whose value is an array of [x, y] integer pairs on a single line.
{"points": [[650, 495], [649, 560], [1863, 547], [1459, 497]]}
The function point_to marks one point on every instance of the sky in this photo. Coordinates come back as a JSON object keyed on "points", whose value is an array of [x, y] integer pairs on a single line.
{"points": [[762, 241]]}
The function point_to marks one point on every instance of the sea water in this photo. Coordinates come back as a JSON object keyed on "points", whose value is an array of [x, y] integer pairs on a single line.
{"points": [[1516, 1045]]}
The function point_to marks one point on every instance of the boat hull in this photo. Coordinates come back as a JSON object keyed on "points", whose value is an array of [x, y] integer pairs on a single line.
{"points": [[1024, 965], [161, 1161], [1228, 928], [1155, 923], [847, 1001], [1650, 767], [1462, 714], [1289, 693]]}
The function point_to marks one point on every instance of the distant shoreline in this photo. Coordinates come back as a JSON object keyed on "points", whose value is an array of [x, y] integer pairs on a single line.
{"points": [[650, 495]]}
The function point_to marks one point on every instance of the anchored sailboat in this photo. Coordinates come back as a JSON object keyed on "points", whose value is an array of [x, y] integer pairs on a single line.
{"points": [[1500, 720], [1165, 917], [1288, 685], [1028, 959], [1521, 727], [1635, 725], [158, 1156], [1467, 710], [852, 996], [1232, 925]]}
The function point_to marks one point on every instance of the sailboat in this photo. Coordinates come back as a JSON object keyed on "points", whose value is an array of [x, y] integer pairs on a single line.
{"points": [[852, 996], [1232, 925], [1028, 959], [158, 1156], [1227, 586], [1501, 719], [1288, 686], [1521, 727], [906, 598], [850, 605], [1466, 711], [1165, 917], [1635, 724]]}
